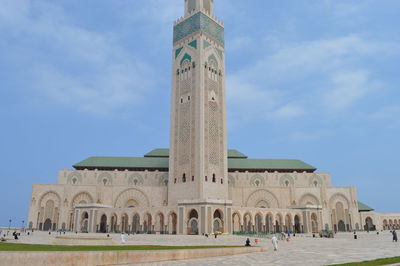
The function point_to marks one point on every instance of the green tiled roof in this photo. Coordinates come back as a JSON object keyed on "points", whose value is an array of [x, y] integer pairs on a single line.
{"points": [[123, 162], [364, 208], [158, 159], [270, 164], [158, 153], [236, 154], [164, 153]]}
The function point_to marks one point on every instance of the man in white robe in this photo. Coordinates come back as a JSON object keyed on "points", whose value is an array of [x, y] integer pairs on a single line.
{"points": [[274, 241], [123, 238]]}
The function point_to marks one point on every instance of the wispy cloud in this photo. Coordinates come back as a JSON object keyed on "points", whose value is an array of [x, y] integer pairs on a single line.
{"points": [[347, 88], [307, 77], [73, 66]]}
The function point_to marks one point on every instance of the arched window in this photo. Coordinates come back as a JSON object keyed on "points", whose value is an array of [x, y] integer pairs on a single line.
{"points": [[184, 178], [214, 179], [193, 214]]}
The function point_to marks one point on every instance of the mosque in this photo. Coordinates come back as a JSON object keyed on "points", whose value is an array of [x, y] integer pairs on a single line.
{"points": [[198, 186]]}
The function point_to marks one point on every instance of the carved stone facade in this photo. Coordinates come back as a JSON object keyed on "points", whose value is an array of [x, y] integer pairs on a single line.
{"points": [[198, 186]]}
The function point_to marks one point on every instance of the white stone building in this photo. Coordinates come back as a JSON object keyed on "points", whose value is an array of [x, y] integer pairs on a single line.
{"points": [[198, 186]]}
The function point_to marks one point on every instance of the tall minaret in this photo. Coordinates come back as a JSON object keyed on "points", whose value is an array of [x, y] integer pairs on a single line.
{"points": [[198, 144]]}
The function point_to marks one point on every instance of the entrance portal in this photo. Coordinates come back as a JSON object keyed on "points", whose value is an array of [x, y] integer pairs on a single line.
{"points": [[47, 225], [194, 230], [341, 226]]}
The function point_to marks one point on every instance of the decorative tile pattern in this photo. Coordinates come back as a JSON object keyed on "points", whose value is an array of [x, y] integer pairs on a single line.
{"points": [[178, 51], [212, 58], [193, 44], [199, 22], [186, 56]]}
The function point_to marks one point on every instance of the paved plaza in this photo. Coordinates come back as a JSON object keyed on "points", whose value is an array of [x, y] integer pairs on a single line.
{"points": [[302, 250]]}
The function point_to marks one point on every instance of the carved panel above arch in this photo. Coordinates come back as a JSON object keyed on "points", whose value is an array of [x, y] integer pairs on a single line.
{"points": [[338, 197], [309, 199], [262, 195], [131, 195]]}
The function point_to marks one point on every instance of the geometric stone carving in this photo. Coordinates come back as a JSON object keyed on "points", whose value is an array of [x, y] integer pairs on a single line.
{"points": [[81, 198], [262, 195], [308, 199], [286, 181], [257, 181], [131, 195]]}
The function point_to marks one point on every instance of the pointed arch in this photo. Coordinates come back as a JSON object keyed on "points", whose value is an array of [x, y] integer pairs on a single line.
{"points": [[131, 195], [309, 199], [83, 197], [262, 195]]}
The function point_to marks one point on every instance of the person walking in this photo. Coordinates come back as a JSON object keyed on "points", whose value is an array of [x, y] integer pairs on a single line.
{"points": [[274, 241], [394, 236], [123, 240]]}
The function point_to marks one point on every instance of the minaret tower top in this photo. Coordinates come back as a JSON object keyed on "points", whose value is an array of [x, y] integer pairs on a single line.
{"points": [[191, 6]]}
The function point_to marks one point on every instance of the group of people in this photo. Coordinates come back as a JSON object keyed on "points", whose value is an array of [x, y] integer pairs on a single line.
{"points": [[274, 241]]}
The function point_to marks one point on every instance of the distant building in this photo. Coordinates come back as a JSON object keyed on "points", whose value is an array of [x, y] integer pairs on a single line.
{"points": [[198, 186]]}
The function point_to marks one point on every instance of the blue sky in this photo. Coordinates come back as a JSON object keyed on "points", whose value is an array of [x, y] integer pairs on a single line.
{"points": [[315, 80]]}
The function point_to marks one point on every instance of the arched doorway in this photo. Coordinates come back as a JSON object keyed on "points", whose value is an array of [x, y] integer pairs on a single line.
{"points": [[136, 223], [147, 224], [236, 222], [258, 223], [297, 226], [288, 223], [114, 221], [103, 224], [369, 224], [269, 223], [172, 222], [247, 223], [47, 225], [314, 223], [385, 224], [124, 223], [193, 224], [85, 222], [160, 223], [218, 225], [278, 223], [341, 226]]}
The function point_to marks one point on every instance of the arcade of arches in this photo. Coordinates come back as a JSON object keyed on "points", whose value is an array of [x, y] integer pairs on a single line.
{"points": [[84, 215]]}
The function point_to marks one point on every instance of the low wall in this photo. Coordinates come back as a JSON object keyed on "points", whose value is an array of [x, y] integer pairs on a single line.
{"points": [[114, 257]]}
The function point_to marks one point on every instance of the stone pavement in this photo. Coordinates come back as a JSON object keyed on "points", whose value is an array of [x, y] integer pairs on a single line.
{"points": [[302, 250], [310, 251]]}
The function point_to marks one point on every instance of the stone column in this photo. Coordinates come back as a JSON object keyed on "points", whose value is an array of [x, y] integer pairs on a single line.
{"points": [[90, 221], [202, 220], [228, 221], [181, 218], [76, 223]]}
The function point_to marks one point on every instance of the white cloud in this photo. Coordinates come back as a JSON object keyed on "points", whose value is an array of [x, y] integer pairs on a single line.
{"points": [[287, 111], [348, 7], [347, 88], [87, 71], [309, 77]]}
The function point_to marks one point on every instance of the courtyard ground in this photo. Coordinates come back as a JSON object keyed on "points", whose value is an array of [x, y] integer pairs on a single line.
{"points": [[301, 250]]}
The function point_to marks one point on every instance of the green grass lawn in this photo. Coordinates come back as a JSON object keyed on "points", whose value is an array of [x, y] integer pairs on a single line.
{"points": [[29, 247], [386, 261]]}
